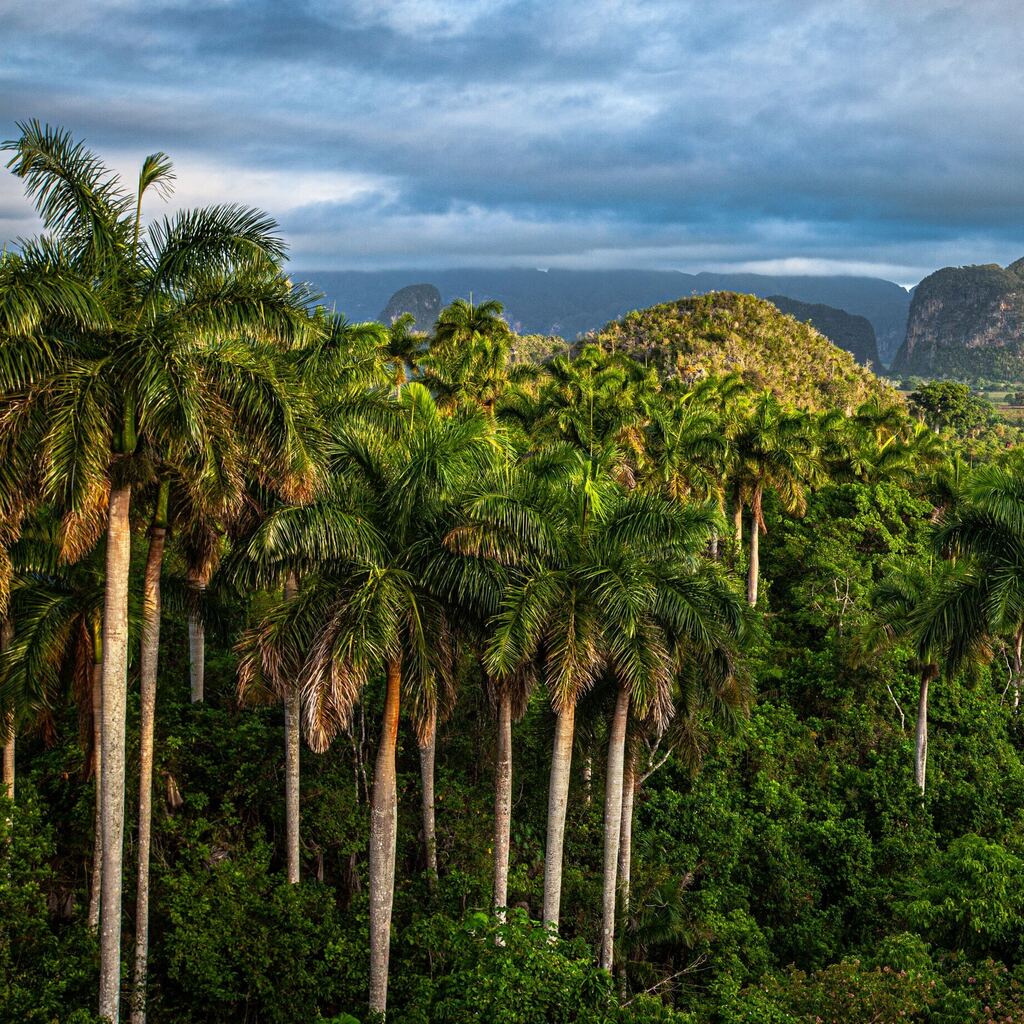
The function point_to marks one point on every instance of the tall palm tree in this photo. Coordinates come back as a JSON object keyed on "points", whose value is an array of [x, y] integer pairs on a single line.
{"points": [[580, 550], [461, 323], [902, 606], [176, 340], [983, 599], [372, 602], [56, 647], [773, 451], [694, 617]]}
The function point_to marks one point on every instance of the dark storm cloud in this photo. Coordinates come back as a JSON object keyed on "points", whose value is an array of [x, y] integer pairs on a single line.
{"points": [[862, 135]]}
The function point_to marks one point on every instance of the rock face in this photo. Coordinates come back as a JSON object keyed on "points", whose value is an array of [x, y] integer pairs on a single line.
{"points": [[854, 333], [422, 300], [723, 332], [966, 322]]}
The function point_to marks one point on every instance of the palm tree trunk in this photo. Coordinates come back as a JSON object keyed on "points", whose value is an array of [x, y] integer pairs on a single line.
{"points": [[737, 520], [112, 770], [502, 804], [383, 822], [1018, 668], [197, 654], [9, 755], [292, 753], [428, 749], [629, 787], [10, 741], [613, 824], [97, 768], [558, 799], [754, 569], [921, 729], [149, 658]]}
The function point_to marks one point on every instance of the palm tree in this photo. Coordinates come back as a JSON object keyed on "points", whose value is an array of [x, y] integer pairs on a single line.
{"points": [[176, 341], [56, 647], [695, 618], [461, 323], [402, 349], [983, 599], [773, 451], [708, 689], [902, 612], [580, 551], [371, 603]]}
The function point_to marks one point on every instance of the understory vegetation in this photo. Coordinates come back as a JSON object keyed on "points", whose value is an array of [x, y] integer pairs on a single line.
{"points": [[349, 672]]}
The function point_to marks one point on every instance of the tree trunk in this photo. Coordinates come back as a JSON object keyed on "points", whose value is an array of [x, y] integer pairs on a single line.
{"points": [[9, 755], [383, 820], [502, 804], [112, 770], [292, 753], [149, 658], [1018, 669], [737, 531], [753, 570], [197, 654], [613, 824], [97, 756], [558, 799], [10, 740], [921, 729], [428, 750], [629, 788]]}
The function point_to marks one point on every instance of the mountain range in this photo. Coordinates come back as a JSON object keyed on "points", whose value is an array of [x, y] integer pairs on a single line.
{"points": [[571, 303]]}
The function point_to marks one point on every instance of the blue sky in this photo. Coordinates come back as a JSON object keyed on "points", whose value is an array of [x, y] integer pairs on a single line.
{"points": [[841, 137]]}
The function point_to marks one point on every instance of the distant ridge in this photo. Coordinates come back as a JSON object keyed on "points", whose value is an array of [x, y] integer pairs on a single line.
{"points": [[853, 333], [571, 302]]}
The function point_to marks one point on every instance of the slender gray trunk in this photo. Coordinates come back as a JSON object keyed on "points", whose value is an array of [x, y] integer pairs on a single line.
{"points": [[196, 656], [1018, 668], [383, 821], [148, 661], [613, 824], [112, 768], [292, 753], [737, 526], [502, 804], [921, 730], [629, 788], [753, 570], [558, 799], [97, 758], [428, 750]]}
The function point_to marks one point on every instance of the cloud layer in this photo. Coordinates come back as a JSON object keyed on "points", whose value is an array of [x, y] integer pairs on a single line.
{"points": [[865, 137]]}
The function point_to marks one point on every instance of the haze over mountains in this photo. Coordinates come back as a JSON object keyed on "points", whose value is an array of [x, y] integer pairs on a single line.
{"points": [[572, 302]]}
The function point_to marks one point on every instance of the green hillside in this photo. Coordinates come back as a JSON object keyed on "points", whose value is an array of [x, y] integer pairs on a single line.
{"points": [[723, 332]]}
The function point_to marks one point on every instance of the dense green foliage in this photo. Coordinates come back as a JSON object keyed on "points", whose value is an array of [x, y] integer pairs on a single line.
{"points": [[723, 333], [484, 543]]}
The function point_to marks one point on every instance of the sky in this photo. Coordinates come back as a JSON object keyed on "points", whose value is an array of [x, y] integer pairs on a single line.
{"points": [[860, 137]]}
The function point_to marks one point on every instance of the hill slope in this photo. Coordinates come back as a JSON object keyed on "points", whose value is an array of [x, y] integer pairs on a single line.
{"points": [[852, 333], [967, 322], [572, 302], [724, 332]]}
